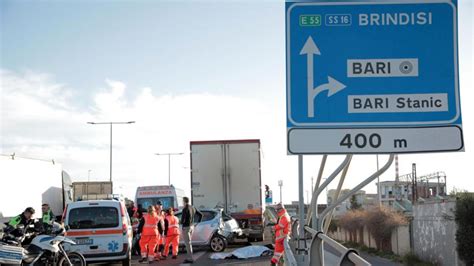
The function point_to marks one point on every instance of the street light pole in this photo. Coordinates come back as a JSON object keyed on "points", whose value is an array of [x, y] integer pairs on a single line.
{"points": [[280, 184], [110, 123], [169, 163], [88, 181]]}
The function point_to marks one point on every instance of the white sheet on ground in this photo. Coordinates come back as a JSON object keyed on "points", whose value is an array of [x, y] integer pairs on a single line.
{"points": [[242, 253]]}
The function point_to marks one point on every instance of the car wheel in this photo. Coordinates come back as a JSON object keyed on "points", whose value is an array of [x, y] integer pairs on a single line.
{"points": [[218, 243], [250, 239]]}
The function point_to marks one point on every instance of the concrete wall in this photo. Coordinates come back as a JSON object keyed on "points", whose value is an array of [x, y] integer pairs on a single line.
{"points": [[434, 229], [400, 239]]}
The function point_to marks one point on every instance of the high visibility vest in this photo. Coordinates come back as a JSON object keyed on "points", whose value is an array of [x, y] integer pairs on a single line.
{"points": [[150, 226], [173, 225], [282, 228], [47, 217], [15, 221]]}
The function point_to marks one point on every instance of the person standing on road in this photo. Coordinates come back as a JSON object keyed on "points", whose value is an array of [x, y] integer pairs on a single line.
{"points": [[172, 234], [148, 228], [282, 230], [160, 240], [48, 215], [187, 223]]}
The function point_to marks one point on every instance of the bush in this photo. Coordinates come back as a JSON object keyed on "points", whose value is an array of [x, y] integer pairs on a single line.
{"points": [[411, 259], [464, 217], [333, 226], [353, 221], [381, 222]]}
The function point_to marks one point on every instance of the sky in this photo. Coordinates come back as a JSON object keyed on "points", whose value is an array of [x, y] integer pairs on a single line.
{"points": [[184, 71]]}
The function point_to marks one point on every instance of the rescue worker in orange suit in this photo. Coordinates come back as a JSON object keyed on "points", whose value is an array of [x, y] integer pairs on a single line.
{"points": [[148, 228], [172, 234], [160, 239], [282, 230]]}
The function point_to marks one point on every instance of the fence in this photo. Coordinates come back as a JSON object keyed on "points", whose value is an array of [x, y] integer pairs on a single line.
{"points": [[399, 242]]}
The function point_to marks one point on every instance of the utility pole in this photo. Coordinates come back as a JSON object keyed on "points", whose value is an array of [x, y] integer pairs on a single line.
{"points": [[379, 194], [280, 184], [414, 191]]}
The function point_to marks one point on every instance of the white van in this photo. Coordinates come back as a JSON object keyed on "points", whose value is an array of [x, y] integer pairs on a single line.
{"points": [[101, 229], [150, 195]]}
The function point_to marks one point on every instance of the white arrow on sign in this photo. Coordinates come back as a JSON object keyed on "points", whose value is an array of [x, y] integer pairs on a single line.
{"points": [[333, 86]]}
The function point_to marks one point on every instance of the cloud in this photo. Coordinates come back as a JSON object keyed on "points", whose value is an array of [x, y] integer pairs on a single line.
{"points": [[47, 123]]}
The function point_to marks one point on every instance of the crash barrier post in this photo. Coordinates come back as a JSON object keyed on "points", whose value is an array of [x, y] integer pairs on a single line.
{"points": [[288, 255], [347, 257]]}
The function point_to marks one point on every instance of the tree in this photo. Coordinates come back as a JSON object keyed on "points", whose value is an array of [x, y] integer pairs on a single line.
{"points": [[354, 204], [464, 217]]}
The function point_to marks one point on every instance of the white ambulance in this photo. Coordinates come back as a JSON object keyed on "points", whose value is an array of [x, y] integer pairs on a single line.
{"points": [[101, 230], [169, 196]]}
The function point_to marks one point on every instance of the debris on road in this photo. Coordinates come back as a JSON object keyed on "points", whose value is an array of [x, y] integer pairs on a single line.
{"points": [[243, 253]]}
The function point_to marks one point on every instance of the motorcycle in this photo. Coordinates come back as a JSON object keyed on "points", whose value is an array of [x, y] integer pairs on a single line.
{"points": [[46, 247]]}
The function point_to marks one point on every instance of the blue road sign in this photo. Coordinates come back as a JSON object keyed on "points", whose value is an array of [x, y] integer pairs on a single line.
{"points": [[355, 65]]}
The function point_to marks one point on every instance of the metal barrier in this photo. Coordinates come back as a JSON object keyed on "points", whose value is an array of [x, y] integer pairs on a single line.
{"points": [[288, 254], [348, 256]]}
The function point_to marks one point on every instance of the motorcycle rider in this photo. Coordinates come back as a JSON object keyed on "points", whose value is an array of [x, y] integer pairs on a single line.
{"points": [[25, 219], [48, 215]]}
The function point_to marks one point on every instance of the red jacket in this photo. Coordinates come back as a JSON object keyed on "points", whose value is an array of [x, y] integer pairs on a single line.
{"points": [[282, 228]]}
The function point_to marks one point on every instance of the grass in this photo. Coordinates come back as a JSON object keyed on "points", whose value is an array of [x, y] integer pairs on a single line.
{"points": [[409, 259]]}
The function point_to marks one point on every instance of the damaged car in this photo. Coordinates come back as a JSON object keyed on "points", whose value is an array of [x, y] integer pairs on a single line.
{"points": [[214, 229]]}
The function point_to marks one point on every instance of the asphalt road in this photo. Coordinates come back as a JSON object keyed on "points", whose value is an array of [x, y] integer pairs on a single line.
{"points": [[201, 257]]}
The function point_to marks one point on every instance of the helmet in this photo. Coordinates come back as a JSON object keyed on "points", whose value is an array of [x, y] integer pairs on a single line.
{"points": [[279, 207]]}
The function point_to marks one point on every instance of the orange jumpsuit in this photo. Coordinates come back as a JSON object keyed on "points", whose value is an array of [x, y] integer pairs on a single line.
{"points": [[172, 235], [282, 230], [148, 239]]}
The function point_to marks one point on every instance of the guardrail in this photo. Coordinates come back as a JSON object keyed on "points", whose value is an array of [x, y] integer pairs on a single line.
{"points": [[288, 254], [348, 256]]}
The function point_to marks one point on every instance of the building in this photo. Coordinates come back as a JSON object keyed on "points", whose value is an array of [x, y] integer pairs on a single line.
{"points": [[403, 194], [293, 209], [345, 205]]}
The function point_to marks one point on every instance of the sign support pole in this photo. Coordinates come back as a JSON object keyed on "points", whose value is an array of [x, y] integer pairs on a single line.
{"points": [[301, 205], [314, 200], [357, 188], [338, 192]]}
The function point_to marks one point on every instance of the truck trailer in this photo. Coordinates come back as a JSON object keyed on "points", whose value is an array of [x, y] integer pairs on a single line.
{"points": [[93, 190], [226, 174], [32, 182]]}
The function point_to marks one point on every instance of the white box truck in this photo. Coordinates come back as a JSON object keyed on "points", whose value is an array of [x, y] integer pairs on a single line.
{"points": [[30, 183], [226, 174], [92, 190]]}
